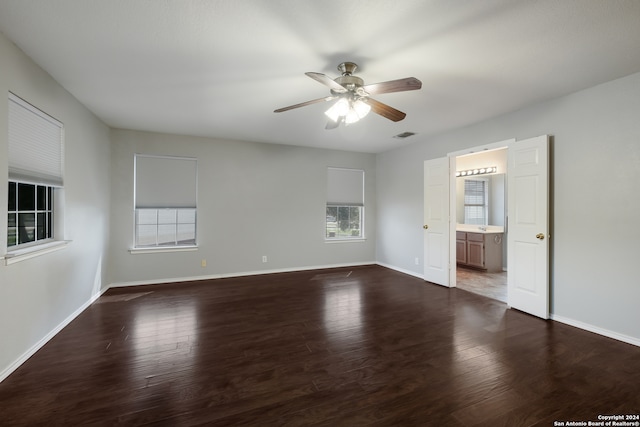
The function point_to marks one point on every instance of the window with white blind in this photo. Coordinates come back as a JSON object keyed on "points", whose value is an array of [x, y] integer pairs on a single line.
{"points": [[165, 201], [345, 204], [35, 163], [476, 201]]}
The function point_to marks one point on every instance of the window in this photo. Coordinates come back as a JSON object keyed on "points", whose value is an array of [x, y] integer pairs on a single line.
{"points": [[345, 204], [165, 201], [165, 227], [35, 153], [476, 201], [30, 213]]}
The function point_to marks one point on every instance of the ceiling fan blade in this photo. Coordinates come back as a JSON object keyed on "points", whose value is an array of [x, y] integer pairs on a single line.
{"points": [[400, 85], [327, 81], [303, 104], [385, 111]]}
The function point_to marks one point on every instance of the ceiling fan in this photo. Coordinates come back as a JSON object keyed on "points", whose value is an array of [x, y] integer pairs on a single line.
{"points": [[354, 100]]}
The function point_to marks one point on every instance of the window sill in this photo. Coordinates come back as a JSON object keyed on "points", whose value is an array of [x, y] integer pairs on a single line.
{"points": [[136, 251], [34, 251], [347, 240]]}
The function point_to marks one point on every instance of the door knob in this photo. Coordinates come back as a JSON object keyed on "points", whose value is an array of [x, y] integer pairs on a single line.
{"points": [[425, 226], [540, 236]]}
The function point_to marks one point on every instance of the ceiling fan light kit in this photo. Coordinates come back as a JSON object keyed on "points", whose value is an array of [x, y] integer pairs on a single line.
{"points": [[348, 110], [354, 101]]}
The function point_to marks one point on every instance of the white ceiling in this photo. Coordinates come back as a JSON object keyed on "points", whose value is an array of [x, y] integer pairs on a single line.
{"points": [[219, 68]]}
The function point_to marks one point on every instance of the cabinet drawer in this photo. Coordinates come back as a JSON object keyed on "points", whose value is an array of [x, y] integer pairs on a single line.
{"points": [[461, 235], [475, 237]]}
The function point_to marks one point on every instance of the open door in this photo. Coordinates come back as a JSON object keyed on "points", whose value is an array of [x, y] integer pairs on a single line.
{"points": [[528, 226], [436, 221]]}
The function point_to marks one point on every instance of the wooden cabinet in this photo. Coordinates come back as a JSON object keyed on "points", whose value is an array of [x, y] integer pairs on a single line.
{"points": [[461, 247], [479, 250]]}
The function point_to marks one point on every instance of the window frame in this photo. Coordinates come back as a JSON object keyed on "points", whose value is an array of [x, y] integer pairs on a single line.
{"points": [[160, 224], [350, 197], [36, 146], [161, 245], [484, 206], [37, 212], [337, 236]]}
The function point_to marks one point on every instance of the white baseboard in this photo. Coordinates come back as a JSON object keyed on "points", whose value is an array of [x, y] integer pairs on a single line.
{"points": [[37, 346], [401, 270], [596, 330], [237, 274]]}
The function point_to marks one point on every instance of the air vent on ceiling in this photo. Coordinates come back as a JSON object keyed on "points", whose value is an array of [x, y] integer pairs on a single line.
{"points": [[404, 135]]}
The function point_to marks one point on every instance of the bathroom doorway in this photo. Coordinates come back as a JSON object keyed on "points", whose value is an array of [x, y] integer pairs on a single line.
{"points": [[481, 207]]}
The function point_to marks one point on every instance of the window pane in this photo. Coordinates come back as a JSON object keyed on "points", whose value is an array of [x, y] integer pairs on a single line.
{"points": [[12, 196], [147, 216], [167, 234], [49, 225], [474, 215], [146, 235], [26, 228], [186, 234], [332, 213], [12, 237], [332, 225], [354, 221], [42, 198], [41, 226], [166, 216], [344, 221], [26, 197], [186, 216], [354, 217], [50, 198]]}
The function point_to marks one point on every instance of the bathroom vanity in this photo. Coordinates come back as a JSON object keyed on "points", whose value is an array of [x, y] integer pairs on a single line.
{"points": [[479, 247]]}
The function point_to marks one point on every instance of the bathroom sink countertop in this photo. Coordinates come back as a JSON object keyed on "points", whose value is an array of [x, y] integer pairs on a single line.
{"points": [[484, 229]]}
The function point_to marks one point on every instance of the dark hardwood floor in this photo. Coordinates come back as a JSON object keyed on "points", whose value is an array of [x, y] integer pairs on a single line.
{"points": [[344, 347]]}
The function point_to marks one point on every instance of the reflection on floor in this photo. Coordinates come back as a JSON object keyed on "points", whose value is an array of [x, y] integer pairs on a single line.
{"points": [[492, 285]]}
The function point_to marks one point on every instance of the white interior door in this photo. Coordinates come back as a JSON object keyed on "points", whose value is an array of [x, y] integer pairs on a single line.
{"points": [[528, 226], [436, 221]]}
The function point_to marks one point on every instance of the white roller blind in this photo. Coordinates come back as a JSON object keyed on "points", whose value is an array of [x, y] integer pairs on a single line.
{"points": [[35, 144], [165, 182], [345, 187]]}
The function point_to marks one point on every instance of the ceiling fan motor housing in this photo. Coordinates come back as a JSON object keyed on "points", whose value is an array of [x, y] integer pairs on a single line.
{"points": [[351, 83], [347, 79]]}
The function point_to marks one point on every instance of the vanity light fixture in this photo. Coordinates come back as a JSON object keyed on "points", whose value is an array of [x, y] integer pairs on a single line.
{"points": [[479, 171]]}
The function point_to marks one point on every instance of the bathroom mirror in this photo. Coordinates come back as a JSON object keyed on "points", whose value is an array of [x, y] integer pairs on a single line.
{"points": [[485, 200]]}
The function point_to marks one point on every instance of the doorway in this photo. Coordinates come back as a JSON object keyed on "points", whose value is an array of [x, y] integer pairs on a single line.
{"points": [[528, 223], [481, 211]]}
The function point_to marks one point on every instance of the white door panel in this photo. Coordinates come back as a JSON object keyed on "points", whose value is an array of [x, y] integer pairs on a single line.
{"points": [[436, 221], [528, 226]]}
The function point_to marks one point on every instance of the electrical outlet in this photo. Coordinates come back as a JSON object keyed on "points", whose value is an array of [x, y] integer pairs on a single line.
{"points": [[417, 261], [264, 258], [203, 263]]}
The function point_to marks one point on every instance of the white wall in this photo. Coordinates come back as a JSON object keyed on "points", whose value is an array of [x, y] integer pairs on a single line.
{"points": [[39, 294], [595, 174], [253, 200]]}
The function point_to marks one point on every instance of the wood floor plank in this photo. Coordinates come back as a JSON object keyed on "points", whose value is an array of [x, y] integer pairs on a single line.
{"points": [[347, 346]]}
